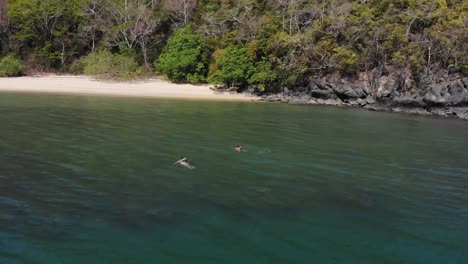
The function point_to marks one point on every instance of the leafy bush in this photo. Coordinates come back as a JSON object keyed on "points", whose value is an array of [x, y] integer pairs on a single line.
{"points": [[10, 66], [182, 58], [104, 63]]}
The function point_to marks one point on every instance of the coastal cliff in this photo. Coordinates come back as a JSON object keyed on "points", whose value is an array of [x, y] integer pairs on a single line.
{"points": [[428, 94]]}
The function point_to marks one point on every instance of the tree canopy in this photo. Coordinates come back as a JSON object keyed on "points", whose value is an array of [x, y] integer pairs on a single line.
{"points": [[244, 42], [181, 59]]}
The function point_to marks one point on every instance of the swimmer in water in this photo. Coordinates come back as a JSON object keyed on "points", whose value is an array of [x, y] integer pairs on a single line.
{"points": [[184, 162], [238, 148]]}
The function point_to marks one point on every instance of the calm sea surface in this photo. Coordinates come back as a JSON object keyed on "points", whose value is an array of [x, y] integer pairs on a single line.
{"points": [[91, 180]]}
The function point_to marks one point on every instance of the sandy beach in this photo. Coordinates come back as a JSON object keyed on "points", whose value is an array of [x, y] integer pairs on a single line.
{"points": [[86, 85]]}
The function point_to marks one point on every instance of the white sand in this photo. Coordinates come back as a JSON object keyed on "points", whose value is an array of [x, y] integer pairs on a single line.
{"points": [[71, 84]]}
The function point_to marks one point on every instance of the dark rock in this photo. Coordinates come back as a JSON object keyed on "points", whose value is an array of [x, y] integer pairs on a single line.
{"points": [[392, 92], [333, 102], [312, 86], [320, 101], [416, 110], [296, 100], [275, 98], [375, 107], [465, 82], [397, 110], [323, 94], [361, 102], [360, 92], [408, 99], [370, 100], [346, 91], [443, 111], [447, 93], [411, 110], [301, 90], [353, 102], [458, 93], [324, 86], [386, 87], [304, 99], [461, 112]]}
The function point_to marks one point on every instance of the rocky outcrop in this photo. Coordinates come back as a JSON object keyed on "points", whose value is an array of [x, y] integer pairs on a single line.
{"points": [[397, 92]]}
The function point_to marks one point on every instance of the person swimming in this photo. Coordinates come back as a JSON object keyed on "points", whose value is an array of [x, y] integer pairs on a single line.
{"points": [[238, 148], [184, 162]]}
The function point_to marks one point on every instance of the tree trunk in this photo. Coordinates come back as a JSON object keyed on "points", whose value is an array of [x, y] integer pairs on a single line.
{"points": [[62, 56]]}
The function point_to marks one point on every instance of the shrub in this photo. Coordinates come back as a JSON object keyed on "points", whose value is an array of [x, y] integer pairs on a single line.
{"points": [[107, 64], [10, 66]]}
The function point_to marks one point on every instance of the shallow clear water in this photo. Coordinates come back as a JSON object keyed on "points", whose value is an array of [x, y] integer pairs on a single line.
{"points": [[92, 180]]}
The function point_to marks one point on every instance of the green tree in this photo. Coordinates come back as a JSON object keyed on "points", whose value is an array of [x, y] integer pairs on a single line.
{"points": [[117, 23], [45, 29], [255, 42], [235, 67], [263, 75], [182, 59]]}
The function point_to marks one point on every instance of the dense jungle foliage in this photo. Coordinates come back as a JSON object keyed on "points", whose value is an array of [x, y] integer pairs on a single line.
{"points": [[241, 43]]}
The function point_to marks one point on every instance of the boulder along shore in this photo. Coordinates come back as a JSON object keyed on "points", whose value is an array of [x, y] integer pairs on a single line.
{"points": [[445, 96]]}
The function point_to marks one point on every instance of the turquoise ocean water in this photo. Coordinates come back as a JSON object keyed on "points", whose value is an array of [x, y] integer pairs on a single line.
{"points": [[92, 180]]}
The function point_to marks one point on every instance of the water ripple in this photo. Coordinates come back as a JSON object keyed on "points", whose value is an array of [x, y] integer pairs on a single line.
{"points": [[318, 184]]}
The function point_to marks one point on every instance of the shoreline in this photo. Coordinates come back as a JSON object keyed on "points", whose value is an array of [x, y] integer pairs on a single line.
{"points": [[392, 93], [157, 88], [87, 85], [456, 112]]}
